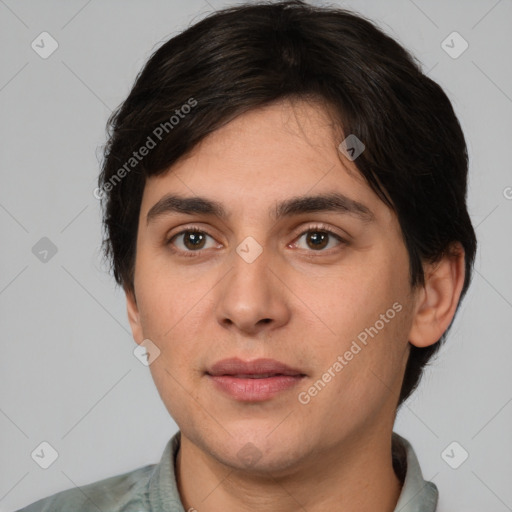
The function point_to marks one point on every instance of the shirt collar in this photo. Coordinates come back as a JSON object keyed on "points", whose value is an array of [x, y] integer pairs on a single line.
{"points": [[163, 488], [417, 495]]}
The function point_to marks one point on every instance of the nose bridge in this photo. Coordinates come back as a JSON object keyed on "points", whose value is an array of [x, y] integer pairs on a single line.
{"points": [[251, 297]]}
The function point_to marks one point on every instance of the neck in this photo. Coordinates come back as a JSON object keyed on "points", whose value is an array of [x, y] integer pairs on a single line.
{"points": [[356, 475]]}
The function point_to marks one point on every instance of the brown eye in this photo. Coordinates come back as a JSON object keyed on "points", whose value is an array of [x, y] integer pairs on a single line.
{"points": [[193, 240], [190, 240], [317, 239]]}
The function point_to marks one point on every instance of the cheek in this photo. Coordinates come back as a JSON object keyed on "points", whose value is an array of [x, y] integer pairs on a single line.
{"points": [[176, 397], [364, 313], [174, 317], [345, 301], [168, 300]]}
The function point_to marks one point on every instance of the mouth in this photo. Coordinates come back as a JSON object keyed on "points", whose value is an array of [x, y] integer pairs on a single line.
{"points": [[253, 381], [258, 376], [258, 368]]}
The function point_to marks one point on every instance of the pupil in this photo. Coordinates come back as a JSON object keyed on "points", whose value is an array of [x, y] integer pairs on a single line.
{"points": [[318, 239], [194, 239]]}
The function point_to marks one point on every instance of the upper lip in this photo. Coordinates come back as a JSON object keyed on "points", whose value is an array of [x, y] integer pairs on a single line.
{"points": [[235, 366]]}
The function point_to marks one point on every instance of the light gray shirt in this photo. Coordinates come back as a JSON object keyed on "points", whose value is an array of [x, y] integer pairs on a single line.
{"points": [[153, 488]]}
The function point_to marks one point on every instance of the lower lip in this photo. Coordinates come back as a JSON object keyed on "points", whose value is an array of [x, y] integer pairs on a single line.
{"points": [[254, 390]]}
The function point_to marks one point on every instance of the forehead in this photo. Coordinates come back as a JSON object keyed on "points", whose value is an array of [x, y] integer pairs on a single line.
{"points": [[262, 160]]}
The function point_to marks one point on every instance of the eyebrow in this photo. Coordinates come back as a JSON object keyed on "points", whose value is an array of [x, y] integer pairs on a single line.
{"points": [[330, 202]]}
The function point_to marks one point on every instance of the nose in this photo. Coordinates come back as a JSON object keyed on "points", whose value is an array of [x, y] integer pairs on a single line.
{"points": [[251, 298]]}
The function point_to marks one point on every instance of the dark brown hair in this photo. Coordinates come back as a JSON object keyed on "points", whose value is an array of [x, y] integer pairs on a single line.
{"points": [[251, 55]]}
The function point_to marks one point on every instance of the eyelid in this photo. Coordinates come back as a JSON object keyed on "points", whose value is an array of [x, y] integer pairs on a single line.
{"points": [[320, 227]]}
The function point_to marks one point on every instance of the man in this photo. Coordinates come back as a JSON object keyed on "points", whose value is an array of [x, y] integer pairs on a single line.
{"points": [[284, 202]]}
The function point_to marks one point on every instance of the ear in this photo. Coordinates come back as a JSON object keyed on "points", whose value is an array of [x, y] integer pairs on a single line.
{"points": [[134, 316], [437, 300]]}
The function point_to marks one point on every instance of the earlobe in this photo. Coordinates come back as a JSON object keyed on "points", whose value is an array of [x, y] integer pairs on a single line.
{"points": [[132, 310], [438, 298]]}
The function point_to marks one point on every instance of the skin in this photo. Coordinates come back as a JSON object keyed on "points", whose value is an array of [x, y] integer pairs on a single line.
{"points": [[295, 303]]}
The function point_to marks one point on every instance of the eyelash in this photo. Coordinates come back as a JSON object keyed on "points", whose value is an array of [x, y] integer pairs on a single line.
{"points": [[313, 228]]}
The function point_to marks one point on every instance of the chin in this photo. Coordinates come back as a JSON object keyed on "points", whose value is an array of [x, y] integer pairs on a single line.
{"points": [[259, 453]]}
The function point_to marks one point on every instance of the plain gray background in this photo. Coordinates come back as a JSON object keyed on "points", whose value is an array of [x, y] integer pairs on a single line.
{"points": [[68, 373]]}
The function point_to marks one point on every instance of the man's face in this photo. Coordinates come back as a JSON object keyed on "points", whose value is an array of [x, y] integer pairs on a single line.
{"points": [[307, 299]]}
